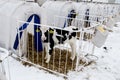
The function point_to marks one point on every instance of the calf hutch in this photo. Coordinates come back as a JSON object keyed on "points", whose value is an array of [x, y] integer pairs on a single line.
{"points": [[10, 14]]}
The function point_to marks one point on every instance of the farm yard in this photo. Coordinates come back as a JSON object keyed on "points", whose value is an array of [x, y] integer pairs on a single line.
{"points": [[59, 40]]}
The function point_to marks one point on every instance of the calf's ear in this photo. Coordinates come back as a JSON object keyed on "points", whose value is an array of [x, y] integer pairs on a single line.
{"points": [[51, 31]]}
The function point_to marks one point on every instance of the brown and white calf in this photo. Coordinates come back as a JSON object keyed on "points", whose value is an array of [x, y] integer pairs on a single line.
{"points": [[53, 36]]}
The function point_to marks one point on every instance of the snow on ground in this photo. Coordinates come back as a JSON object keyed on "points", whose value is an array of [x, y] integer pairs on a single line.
{"points": [[20, 72], [107, 66]]}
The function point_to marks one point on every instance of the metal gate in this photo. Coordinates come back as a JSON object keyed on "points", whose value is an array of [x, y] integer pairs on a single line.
{"points": [[60, 62]]}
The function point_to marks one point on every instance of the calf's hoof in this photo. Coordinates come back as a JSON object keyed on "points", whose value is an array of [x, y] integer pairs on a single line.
{"points": [[72, 58], [45, 57]]}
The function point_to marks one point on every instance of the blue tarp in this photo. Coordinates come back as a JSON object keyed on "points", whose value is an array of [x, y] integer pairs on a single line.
{"points": [[37, 33]]}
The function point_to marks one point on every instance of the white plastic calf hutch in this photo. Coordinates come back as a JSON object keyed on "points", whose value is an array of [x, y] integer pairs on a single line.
{"points": [[89, 11], [10, 13], [56, 11]]}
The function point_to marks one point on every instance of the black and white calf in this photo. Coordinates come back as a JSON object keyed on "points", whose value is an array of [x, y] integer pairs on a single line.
{"points": [[52, 37]]}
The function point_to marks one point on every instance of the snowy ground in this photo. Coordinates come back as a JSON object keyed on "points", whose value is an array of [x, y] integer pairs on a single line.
{"points": [[107, 66]]}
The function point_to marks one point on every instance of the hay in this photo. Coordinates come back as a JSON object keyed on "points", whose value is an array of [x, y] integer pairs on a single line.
{"points": [[66, 65], [38, 58]]}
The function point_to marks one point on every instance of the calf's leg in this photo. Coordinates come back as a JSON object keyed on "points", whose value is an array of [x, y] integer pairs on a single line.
{"points": [[49, 52], [47, 48], [73, 48]]}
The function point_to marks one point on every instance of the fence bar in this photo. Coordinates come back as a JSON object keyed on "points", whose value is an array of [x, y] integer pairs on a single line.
{"points": [[43, 57], [32, 50], [100, 2], [65, 72], [53, 59]]}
